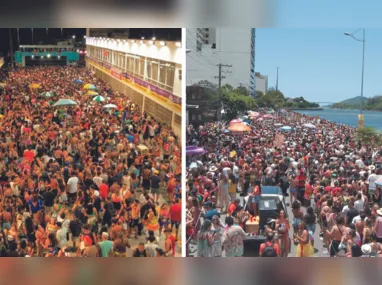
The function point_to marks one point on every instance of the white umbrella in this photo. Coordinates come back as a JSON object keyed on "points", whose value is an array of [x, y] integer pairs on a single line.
{"points": [[64, 102], [111, 106], [310, 126]]}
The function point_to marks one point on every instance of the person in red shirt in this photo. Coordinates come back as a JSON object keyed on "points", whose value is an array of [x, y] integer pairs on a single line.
{"points": [[176, 216], [232, 207], [104, 190]]}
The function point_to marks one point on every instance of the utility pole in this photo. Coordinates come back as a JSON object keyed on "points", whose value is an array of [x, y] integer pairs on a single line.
{"points": [[277, 78], [220, 77]]}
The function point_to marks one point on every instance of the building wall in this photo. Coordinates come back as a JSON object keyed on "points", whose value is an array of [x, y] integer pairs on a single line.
{"points": [[170, 53], [262, 83], [233, 47], [114, 66]]}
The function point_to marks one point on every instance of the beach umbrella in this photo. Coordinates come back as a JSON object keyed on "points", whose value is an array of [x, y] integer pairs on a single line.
{"points": [[310, 126], [195, 150], [111, 106], [90, 86], [34, 86], [236, 121], [91, 93], [64, 103], [47, 94], [239, 128], [99, 98], [286, 128], [78, 81], [379, 182], [278, 125]]}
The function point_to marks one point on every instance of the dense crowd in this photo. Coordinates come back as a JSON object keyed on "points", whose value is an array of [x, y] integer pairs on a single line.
{"points": [[84, 180], [330, 178]]}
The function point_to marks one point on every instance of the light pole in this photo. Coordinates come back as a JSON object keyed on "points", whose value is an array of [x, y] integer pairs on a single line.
{"points": [[360, 116]]}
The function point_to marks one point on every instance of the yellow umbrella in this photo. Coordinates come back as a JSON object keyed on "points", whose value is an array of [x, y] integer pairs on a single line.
{"points": [[89, 86], [34, 86], [239, 128], [91, 93]]}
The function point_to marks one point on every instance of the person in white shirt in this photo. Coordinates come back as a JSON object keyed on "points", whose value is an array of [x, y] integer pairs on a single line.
{"points": [[61, 235], [360, 203], [372, 179], [72, 186]]}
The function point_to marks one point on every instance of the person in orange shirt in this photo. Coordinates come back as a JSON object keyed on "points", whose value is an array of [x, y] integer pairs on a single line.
{"points": [[232, 207], [171, 184], [135, 217]]}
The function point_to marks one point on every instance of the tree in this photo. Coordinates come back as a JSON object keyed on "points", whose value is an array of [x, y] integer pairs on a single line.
{"points": [[369, 137], [236, 103], [242, 90], [259, 94]]}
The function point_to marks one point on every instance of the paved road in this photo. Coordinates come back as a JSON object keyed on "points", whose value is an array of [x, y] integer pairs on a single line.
{"points": [[320, 251]]}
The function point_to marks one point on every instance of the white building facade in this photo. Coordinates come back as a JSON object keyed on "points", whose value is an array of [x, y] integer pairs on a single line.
{"points": [[208, 47], [261, 82], [148, 72]]}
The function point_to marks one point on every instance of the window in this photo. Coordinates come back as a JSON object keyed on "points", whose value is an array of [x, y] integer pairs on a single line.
{"points": [[193, 117], [193, 96], [170, 77], [200, 117], [180, 74]]}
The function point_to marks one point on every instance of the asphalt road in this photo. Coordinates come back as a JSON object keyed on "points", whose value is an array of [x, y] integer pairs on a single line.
{"points": [[320, 251]]}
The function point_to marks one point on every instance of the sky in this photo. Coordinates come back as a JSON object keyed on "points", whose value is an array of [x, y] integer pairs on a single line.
{"points": [[320, 64]]}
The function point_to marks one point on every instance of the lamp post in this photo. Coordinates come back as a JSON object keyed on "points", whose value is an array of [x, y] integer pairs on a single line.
{"points": [[360, 116]]}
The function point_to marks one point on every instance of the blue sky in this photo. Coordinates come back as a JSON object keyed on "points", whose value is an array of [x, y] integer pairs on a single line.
{"points": [[320, 64], [325, 13]]}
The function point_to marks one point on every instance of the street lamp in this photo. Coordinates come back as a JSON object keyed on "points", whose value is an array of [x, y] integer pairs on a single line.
{"points": [[360, 117]]}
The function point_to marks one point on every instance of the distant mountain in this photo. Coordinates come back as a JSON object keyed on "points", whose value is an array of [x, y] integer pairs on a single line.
{"points": [[352, 103]]}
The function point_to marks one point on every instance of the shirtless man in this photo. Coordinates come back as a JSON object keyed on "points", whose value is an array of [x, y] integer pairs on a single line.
{"points": [[335, 235]]}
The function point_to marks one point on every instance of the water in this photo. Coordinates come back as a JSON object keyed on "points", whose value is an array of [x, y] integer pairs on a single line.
{"points": [[348, 117]]}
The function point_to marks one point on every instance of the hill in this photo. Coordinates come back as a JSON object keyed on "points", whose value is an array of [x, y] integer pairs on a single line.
{"points": [[352, 103]]}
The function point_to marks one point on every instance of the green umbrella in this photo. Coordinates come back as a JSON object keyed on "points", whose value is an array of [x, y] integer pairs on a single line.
{"points": [[64, 102], [99, 98], [47, 94]]}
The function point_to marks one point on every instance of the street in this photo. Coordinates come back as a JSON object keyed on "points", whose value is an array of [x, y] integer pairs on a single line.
{"points": [[319, 250]]}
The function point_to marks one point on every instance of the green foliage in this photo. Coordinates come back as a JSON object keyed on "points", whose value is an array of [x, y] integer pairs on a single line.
{"points": [[237, 101], [369, 136]]}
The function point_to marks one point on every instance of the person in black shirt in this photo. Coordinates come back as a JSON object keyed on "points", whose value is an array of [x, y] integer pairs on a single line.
{"points": [[48, 197], [351, 213], [140, 251]]}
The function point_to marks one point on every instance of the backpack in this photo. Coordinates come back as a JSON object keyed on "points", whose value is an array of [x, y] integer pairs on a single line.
{"points": [[269, 250]]}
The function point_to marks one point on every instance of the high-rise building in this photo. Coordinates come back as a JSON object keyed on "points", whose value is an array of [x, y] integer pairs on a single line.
{"points": [[208, 47]]}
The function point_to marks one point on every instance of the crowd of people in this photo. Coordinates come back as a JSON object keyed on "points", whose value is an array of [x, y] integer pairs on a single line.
{"points": [[84, 180], [328, 175]]}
